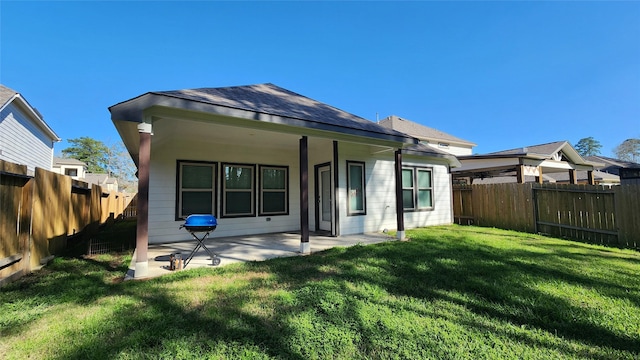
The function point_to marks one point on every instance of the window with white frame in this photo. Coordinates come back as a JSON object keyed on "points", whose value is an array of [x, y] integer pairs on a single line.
{"points": [[274, 190], [195, 188], [238, 190], [356, 188], [417, 188]]}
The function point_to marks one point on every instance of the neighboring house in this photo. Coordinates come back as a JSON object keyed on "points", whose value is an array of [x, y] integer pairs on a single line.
{"points": [[611, 165], [106, 182], [599, 178], [429, 136], [263, 159], [70, 167], [77, 170], [539, 163], [628, 172], [25, 138]]}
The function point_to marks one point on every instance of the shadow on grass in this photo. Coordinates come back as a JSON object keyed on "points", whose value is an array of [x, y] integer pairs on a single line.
{"points": [[360, 302]]}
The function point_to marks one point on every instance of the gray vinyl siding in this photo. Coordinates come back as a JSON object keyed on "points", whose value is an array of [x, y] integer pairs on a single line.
{"points": [[22, 142]]}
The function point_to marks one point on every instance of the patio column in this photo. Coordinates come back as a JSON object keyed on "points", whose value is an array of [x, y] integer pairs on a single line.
{"points": [[399, 203], [304, 196], [520, 174], [590, 178], [573, 179], [142, 230], [539, 178]]}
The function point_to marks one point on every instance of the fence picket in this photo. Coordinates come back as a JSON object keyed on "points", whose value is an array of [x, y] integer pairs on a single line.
{"points": [[588, 213], [39, 213]]}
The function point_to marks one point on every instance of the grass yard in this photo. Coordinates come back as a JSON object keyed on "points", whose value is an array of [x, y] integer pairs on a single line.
{"points": [[449, 293]]}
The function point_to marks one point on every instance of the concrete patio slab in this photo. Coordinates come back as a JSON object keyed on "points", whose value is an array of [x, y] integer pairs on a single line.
{"points": [[244, 248]]}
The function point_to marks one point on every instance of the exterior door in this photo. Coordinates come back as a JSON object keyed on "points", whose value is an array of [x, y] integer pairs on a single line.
{"points": [[324, 199]]}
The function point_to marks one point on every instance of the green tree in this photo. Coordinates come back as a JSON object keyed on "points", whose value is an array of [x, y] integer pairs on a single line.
{"points": [[92, 152], [588, 146], [628, 150]]}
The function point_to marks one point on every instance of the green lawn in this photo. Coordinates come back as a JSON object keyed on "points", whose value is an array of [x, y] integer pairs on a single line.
{"points": [[449, 293]]}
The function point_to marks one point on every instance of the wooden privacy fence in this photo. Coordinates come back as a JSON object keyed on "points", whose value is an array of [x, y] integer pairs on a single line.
{"points": [[39, 213], [589, 213]]}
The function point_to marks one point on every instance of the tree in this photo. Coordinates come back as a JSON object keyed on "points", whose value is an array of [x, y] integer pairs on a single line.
{"points": [[122, 167], [92, 152], [113, 160], [629, 150], [588, 146]]}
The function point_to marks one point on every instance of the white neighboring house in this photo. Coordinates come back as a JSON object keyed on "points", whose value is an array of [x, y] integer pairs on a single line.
{"points": [[433, 137], [70, 167], [25, 138], [77, 170]]}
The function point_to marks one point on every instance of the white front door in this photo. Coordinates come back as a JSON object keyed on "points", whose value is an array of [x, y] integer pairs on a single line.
{"points": [[324, 198]]}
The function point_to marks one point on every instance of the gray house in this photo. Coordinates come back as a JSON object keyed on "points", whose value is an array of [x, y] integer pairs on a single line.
{"points": [[264, 159], [25, 138]]}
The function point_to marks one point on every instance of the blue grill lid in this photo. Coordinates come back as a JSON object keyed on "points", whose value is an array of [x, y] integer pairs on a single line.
{"points": [[201, 220]]}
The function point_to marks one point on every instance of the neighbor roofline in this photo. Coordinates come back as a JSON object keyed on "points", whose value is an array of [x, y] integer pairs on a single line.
{"points": [[33, 113]]}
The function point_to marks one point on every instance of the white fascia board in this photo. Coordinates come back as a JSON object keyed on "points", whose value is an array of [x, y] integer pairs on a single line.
{"points": [[37, 119], [563, 165], [435, 140]]}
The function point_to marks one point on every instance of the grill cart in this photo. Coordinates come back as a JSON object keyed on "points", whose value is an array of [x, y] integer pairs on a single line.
{"points": [[200, 224]]}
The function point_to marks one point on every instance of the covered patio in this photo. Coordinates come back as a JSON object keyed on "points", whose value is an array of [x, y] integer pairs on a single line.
{"points": [[236, 249]]}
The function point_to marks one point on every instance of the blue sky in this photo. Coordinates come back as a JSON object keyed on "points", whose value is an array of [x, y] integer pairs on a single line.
{"points": [[500, 74]]}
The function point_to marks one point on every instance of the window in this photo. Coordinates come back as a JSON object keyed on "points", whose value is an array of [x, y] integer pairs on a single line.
{"points": [[238, 190], [71, 172], [356, 188], [417, 189], [196, 188], [274, 190]]}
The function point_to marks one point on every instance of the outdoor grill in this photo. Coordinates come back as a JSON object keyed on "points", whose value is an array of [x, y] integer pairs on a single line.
{"points": [[198, 224]]}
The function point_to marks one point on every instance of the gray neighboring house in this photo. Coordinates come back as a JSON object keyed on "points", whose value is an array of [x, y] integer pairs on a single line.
{"points": [[627, 171], [264, 159], [429, 136], [25, 138]]}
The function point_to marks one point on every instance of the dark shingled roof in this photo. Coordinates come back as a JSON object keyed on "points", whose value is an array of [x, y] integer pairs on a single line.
{"points": [[274, 100]]}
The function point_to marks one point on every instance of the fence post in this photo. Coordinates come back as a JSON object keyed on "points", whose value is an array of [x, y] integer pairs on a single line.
{"points": [[534, 201]]}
